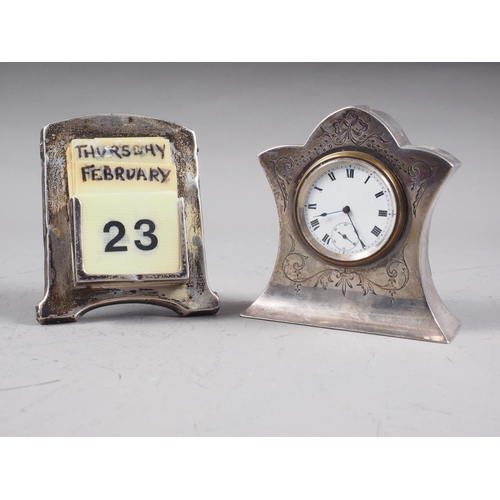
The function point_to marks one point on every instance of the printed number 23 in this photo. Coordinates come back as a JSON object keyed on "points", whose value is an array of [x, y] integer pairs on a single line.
{"points": [[111, 246]]}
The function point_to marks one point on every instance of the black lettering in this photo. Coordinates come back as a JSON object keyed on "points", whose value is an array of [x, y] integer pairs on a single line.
{"points": [[86, 153], [141, 174], [80, 150], [99, 152], [326, 239], [319, 189], [137, 150], [130, 173], [110, 247], [315, 224], [312, 206], [85, 172], [379, 194], [150, 149], [161, 150], [119, 173], [376, 231], [164, 173], [149, 234], [350, 173], [114, 149], [95, 173], [331, 175], [125, 151], [382, 213], [153, 175], [107, 173]]}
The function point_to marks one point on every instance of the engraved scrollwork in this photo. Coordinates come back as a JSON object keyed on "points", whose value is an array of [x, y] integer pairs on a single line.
{"points": [[387, 155], [419, 172], [397, 275], [282, 168], [349, 127]]}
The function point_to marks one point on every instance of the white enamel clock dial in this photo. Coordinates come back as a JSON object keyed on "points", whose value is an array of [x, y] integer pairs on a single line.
{"points": [[349, 208]]}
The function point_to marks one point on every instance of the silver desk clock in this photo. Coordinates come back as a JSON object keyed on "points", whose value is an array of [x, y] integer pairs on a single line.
{"points": [[355, 205], [122, 217]]}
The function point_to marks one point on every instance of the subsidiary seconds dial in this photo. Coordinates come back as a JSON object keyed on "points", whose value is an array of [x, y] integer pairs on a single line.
{"points": [[350, 208]]}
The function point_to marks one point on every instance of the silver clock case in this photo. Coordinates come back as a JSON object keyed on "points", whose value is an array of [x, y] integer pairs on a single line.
{"points": [[69, 293], [393, 295]]}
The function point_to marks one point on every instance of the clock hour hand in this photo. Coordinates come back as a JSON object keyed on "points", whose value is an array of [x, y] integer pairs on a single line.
{"points": [[324, 214], [346, 210]]}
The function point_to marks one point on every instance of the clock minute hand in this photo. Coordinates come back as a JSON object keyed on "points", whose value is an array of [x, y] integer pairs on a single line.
{"points": [[346, 210], [324, 214]]}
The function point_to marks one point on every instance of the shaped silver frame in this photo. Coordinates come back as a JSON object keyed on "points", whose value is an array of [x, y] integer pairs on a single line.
{"points": [[68, 293], [394, 295]]}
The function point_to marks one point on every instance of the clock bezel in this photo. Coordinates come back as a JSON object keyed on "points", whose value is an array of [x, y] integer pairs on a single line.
{"points": [[311, 173]]}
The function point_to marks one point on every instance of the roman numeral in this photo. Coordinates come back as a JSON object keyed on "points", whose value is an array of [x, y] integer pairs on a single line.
{"points": [[326, 239], [315, 224], [350, 173], [319, 189], [311, 206], [382, 213], [367, 179], [331, 175], [379, 194], [376, 231]]}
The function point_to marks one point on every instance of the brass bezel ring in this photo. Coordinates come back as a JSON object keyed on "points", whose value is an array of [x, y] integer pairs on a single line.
{"points": [[387, 175]]}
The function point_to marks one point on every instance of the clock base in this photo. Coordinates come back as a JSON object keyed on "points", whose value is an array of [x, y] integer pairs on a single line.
{"points": [[404, 318]]}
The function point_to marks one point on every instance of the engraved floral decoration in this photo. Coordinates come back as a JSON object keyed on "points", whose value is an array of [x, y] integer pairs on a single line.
{"points": [[396, 278], [419, 172], [419, 169], [282, 168], [349, 129]]}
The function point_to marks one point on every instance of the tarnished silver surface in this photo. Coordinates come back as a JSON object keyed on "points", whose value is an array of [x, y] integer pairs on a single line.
{"points": [[68, 295], [393, 295]]}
